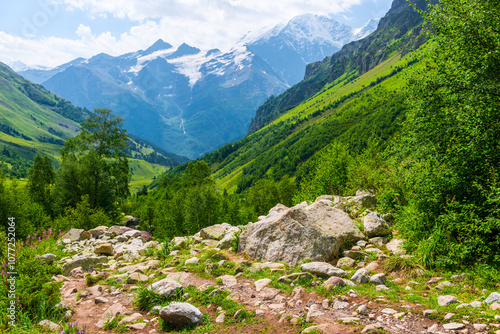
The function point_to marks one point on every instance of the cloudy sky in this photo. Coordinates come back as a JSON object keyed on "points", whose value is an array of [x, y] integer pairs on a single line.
{"points": [[52, 32]]}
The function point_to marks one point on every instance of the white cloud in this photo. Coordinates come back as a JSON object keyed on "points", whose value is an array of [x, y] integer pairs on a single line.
{"points": [[202, 23]]}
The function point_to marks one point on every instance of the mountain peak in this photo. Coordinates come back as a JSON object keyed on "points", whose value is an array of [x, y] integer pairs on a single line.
{"points": [[184, 50], [157, 46]]}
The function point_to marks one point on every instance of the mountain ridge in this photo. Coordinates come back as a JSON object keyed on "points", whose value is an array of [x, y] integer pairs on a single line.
{"points": [[181, 90]]}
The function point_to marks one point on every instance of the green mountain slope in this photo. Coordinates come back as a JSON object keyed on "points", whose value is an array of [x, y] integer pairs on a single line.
{"points": [[363, 99], [34, 120], [355, 59]]}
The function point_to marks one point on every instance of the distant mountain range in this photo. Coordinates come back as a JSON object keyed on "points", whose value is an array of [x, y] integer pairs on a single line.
{"points": [[190, 101]]}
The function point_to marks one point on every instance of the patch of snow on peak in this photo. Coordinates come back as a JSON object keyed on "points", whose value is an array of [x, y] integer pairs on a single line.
{"points": [[190, 65], [366, 29]]}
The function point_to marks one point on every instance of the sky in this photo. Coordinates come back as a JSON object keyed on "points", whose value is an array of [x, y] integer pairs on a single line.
{"points": [[53, 32]]}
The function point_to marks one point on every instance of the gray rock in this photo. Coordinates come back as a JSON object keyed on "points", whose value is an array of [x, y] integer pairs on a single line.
{"points": [[366, 201], [227, 241], [493, 297], [346, 262], [133, 222], [214, 232], [395, 246], [375, 226], [261, 284], [104, 249], [98, 231], [48, 258], [333, 282], [378, 241], [118, 230], [381, 287], [316, 232], [293, 277], [181, 314], [338, 305], [166, 287], [361, 276], [192, 260], [378, 279], [86, 263], [322, 269], [447, 300], [101, 300], [113, 311], [49, 325], [136, 278], [453, 326], [76, 235]]}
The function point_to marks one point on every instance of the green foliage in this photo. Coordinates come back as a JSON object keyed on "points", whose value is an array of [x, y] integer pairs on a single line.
{"points": [[94, 164], [451, 138], [330, 176], [41, 178], [36, 293]]}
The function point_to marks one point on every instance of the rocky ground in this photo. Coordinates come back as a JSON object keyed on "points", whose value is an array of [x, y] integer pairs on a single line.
{"points": [[351, 281]]}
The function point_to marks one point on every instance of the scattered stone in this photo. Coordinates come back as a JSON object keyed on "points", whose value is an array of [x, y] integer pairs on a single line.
{"points": [[228, 280], [443, 285], [453, 326], [381, 287], [493, 297], [361, 276], [137, 327], [180, 314], [319, 328], [459, 277], [49, 325], [76, 235], [480, 327], [214, 232], [166, 287], [361, 243], [261, 284], [333, 282], [495, 306], [220, 318], [101, 300], [395, 246], [434, 280], [295, 276], [345, 262], [269, 293], [86, 263], [370, 329], [314, 312], [322, 269], [372, 266], [362, 309], [338, 305], [447, 300], [136, 316], [374, 225], [427, 313], [476, 304], [433, 328], [297, 293], [448, 316], [111, 313], [48, 258], [389, 311], [136, 278], [192, 260], [378, 279], [378, 241]]}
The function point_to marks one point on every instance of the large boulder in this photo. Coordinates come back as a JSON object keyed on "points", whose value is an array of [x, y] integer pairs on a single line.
{"points": [[76, 234], [181, 314], [375, 225], [315, 232]]}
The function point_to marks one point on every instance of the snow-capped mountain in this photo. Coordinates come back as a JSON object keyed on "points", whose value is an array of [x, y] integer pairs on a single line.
{"points": [[191, 101]]}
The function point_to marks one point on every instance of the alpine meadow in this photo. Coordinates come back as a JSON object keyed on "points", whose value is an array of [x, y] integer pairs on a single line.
{"points": [[364, 198]]}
